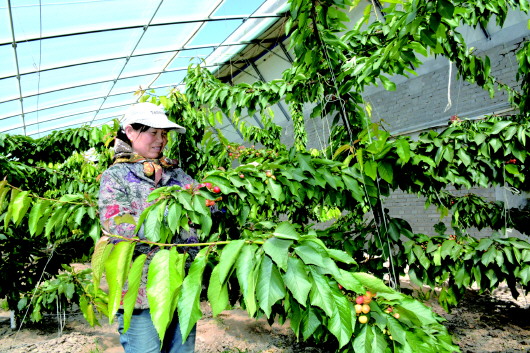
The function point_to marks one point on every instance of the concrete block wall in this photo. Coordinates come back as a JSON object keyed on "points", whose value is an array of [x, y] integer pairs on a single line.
{"points": [[420, 102]]}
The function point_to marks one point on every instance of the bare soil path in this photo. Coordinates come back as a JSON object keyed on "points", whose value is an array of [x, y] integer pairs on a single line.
{"points": [[482, 323]]}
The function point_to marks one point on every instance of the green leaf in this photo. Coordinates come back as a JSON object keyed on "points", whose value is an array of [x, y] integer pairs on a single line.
{"points": [[370, 169], [353, 185], [189, 304], [416, 313], [3, 193], [512, 169], [133, 282], [20, 207], [464, 157], [321, 294], [310, 323], [297, 280], [389, 85], [399, 334], [173, 216], [489, 256], [524, 274], [228, 258], [403, 150], [340, 323], [286, 230], [153, 223], [224, 184], [217, 293], [446, 9], [87, 310], [499, 126], [7, 218], [278, 250], [484, 244], [386, 172], [275, 190], [185, 199], [447, 247], [166, 272], [37, 211], [342, 256], [270, 287], [206, 224], [102, 250], [199, 205], [363, 342], [372, 283], [304, 161], [117, 269], [349, 282], [245, 275], [81, 211]]}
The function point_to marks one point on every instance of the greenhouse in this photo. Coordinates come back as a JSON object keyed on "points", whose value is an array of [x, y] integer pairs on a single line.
{"points": [[264, 176]]}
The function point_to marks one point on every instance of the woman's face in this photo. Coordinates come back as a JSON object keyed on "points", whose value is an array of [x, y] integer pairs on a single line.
{"points": [[149, 143]]}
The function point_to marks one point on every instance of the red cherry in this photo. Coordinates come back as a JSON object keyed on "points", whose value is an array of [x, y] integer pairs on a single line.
{"points": [[208, 185], [359, 299], [187, 186], [216, 189]]}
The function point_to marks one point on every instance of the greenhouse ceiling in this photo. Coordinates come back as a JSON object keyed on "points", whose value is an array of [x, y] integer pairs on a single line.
{"points": [[65, 64]]}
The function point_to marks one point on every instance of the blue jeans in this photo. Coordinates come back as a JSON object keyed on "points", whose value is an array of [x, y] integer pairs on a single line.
{"points": [[141, 337]]}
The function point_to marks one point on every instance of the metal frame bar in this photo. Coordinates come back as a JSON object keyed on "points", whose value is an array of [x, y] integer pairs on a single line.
{"points": [[127, 61], [190, 38], [286, 52], [280, 105], [104, 81], [141, 55], [14, 44], [127, 58], [208, 19]]}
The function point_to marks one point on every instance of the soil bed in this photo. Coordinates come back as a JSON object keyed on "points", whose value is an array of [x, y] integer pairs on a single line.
{"points": [[481, 323]]}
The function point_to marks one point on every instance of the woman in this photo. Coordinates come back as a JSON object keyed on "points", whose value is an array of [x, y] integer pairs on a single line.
{"points": [[139, 168]]}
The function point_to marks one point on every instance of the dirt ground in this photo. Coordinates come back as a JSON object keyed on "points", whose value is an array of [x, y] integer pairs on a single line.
{"points": [[482, 323]]}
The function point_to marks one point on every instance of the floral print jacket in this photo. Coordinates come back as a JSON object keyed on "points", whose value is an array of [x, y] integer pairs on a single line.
{"points": [[124, 189]]}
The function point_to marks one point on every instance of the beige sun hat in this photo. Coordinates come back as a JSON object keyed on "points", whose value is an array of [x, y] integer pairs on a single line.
{"points": [[151, 115]]}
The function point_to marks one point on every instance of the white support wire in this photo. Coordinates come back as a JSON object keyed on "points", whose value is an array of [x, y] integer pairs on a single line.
{"points": [[36, 286], [392, 273]]}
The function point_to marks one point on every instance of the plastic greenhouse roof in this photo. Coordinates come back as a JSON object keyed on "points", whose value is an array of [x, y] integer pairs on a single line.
{"points": [[68, 63]]}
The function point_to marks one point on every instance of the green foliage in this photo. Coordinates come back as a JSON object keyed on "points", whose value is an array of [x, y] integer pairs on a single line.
{"points": [[305, 281], [48, 208], [457, 261], [56, 294], [264, 250]]}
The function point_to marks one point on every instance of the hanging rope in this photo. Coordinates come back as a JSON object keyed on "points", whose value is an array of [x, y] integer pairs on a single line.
{"points": [[449, 103]]}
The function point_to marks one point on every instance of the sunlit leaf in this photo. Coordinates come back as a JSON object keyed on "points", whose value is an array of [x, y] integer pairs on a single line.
{"points": [[116, 269], [189, 304], [165, 276], [133, 281], [270, 287]]}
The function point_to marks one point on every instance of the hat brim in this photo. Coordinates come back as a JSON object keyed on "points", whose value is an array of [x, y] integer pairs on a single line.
{"points": [[169, 126]]}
